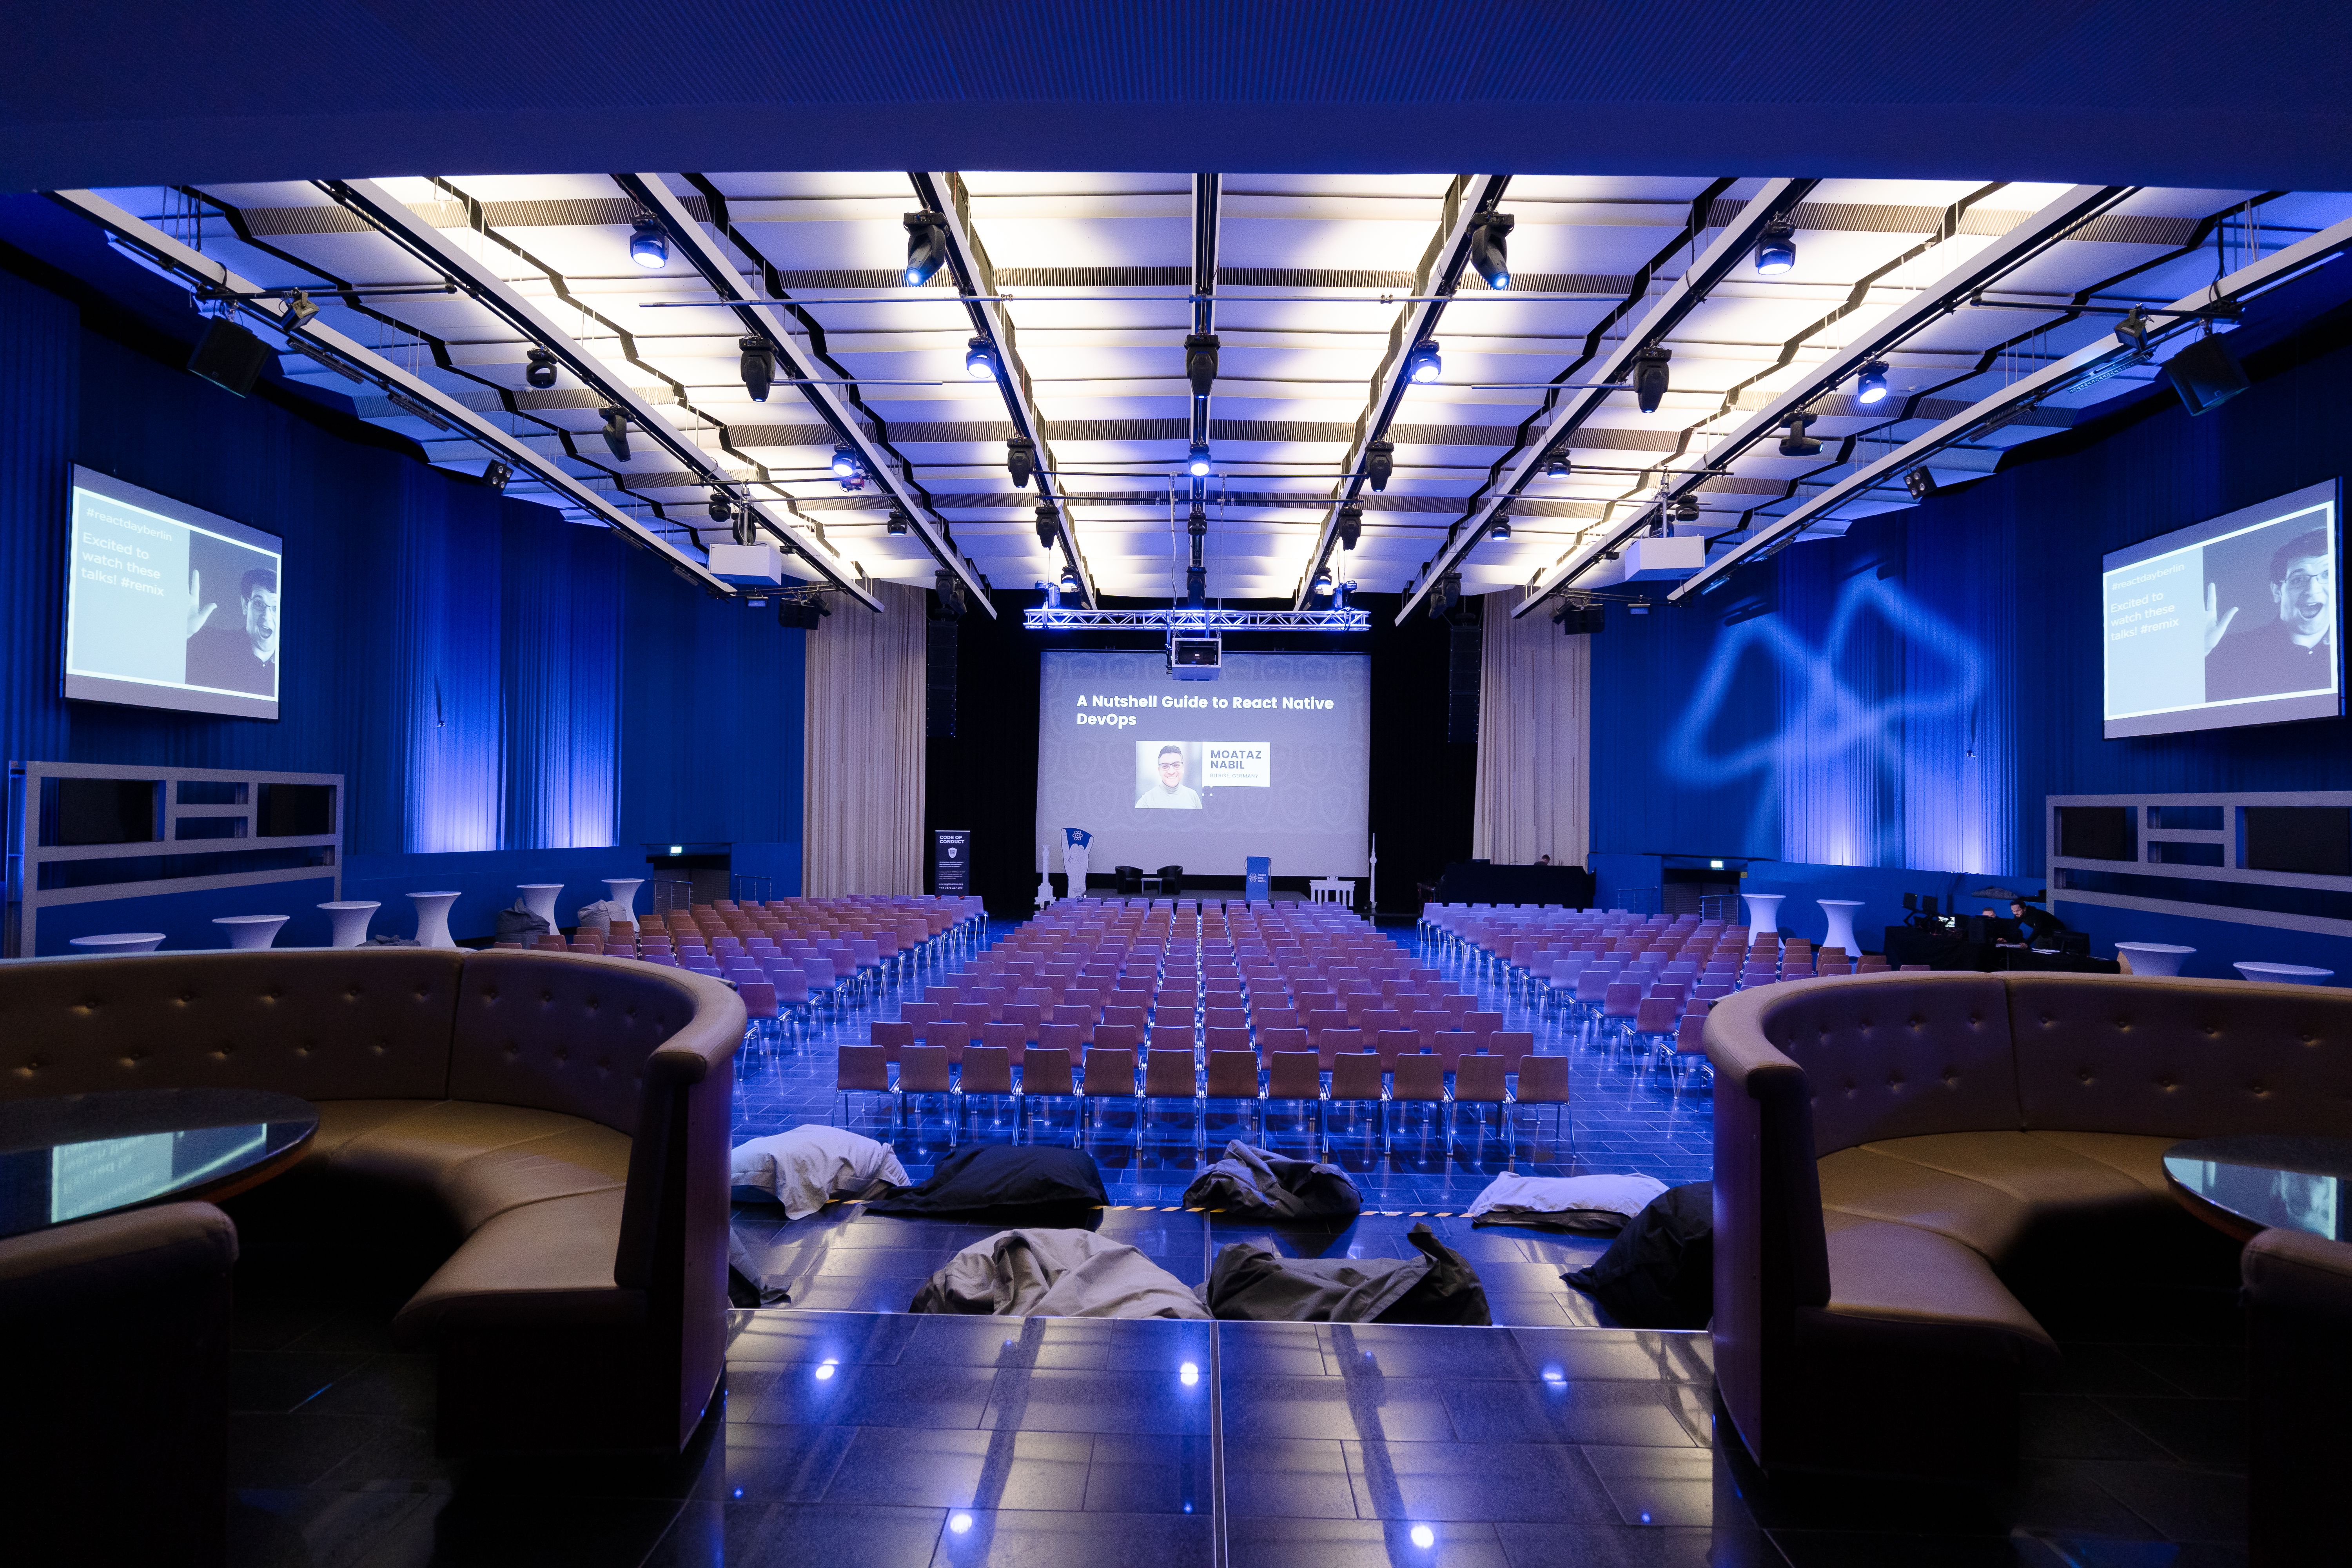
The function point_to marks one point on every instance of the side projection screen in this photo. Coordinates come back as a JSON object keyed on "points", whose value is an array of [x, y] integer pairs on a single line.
{"points": [[167, 606], [2230, 622]]}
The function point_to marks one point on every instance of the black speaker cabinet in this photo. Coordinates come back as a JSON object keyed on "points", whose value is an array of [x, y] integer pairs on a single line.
{"points": [[2205, 374], [229, 356]]}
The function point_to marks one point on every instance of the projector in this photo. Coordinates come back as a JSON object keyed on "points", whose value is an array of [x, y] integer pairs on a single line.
{"points": [[1194, 658], [748, 566]]}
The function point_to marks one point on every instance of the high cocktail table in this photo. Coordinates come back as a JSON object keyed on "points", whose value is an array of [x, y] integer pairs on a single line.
{"points": [[76, 1155]]}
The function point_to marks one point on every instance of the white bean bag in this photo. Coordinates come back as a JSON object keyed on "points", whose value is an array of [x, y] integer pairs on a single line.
{"points": [[808, 1167], [1599, 1205]]}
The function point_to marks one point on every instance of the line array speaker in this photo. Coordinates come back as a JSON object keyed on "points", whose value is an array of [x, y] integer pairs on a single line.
{"points": [[940, 679], [1464, 646]]}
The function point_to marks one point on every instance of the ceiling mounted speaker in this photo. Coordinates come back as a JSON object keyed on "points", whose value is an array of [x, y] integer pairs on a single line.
{"points": [[229, 356], [2205, 374]]}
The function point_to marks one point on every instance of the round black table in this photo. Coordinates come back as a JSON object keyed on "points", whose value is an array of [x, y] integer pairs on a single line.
{"points": [[78, 1156], [2256, 1180]]}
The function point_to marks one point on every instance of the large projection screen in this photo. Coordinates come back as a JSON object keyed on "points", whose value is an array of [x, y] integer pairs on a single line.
{"points": [[168, 606], [1271, 758], [2232, 621]]}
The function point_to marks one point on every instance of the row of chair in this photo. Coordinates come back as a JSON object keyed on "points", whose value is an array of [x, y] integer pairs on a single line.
{"points": [[1109, 1076]]}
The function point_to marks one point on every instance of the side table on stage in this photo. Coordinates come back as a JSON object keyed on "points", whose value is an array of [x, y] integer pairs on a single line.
{"points": [[1841, 917], [251, 931], [350, 918], [622, 890], [433, 919], [1763, 913], [2155, 957], [540, 898], [119, 942]]}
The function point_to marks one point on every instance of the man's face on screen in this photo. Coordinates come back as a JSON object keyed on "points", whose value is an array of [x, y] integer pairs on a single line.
{"points": [[2304, 598], [261, 622], [1171, 770]]}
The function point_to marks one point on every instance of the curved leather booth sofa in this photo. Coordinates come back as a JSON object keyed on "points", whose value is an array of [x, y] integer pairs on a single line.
{"points": [[563, 1120], [1894, 1153]]}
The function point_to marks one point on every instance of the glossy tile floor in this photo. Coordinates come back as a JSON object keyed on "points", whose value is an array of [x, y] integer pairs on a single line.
{"points": [[853, 1440]]}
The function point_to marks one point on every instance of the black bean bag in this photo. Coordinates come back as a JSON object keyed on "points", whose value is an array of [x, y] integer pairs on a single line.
{"points": [[1660, 1271], [1251, 1183], [1001, 1182]]}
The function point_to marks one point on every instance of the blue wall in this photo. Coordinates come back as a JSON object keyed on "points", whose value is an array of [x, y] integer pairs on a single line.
{"points": [[1886, 711], [511, 697]]}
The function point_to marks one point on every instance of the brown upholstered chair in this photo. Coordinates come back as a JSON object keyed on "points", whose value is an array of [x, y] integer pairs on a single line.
{"points": [[2298, 1297], [116, 1402]]}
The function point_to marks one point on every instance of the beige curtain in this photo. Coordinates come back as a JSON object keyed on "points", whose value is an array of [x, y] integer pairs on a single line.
{"points": [[863, 821], [1535, 692]]}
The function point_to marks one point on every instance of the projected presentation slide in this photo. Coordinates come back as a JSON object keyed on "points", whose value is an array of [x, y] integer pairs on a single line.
{"points": [[167, 606], [2230, 622], [1271, 758]]}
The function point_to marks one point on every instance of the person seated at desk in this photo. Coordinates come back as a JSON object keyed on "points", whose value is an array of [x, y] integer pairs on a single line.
{"points": [[2037, 928]]}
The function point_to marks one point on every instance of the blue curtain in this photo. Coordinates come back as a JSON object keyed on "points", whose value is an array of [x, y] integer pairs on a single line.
{"points": [[40, 366], [448, 639], [559, 627], [711, 706]]}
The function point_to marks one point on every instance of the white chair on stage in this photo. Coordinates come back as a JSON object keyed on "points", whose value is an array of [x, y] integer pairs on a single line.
{"points": [[349, 918], [251, 931], [433, 919], [2155, 957], [1763, 913]]}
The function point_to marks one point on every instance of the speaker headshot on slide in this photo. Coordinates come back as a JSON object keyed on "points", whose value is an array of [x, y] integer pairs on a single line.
{"points": [[231, 647], [2280, 637], [1165, 791]]}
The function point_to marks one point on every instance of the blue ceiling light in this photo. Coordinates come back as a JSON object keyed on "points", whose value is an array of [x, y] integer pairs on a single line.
{"points": [[649, 246], [846, 464], [1777, 251], [1870, 384], [1557, 467], [1197, 462], [979, 360], [1424, 364]]}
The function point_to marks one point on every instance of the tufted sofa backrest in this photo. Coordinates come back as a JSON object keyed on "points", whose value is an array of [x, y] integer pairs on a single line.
{"points": [[320, 1025], [555, 1032], [1892, 1055], [2181, 1058]]}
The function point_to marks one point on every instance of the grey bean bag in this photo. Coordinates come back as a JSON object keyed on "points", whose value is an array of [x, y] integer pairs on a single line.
{"points": [[1250, 1182], [1250, 1280], [1054, 1274]]}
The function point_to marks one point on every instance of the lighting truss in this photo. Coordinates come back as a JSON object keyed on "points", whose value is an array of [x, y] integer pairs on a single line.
{"points": [[1183, 619]]}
